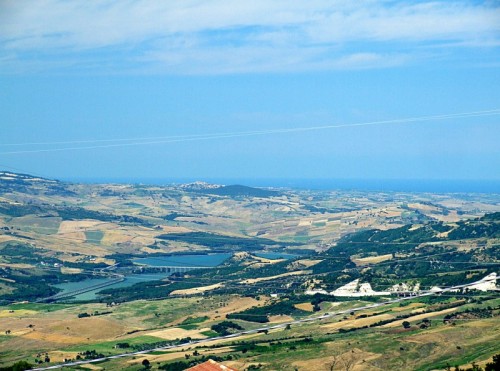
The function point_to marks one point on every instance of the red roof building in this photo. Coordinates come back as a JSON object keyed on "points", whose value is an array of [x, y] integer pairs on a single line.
{"points": [[210, 366]]}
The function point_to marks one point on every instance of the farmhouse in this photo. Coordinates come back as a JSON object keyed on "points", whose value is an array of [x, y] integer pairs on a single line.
{"points": [[210, 366]]}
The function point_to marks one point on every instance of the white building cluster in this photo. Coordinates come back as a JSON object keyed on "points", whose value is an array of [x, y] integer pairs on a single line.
{"points": [[357, 289]]}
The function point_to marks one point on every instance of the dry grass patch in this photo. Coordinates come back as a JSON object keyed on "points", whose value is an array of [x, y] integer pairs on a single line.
{"points": [[114, 237], [171, 355], [96, 328], [280, 318], [409, 306], [59, 356], [158, 358], [18, 266], [91, 366], [308, 307], [5, 238], [69, 226], [306, 263], [16, 313], [66, 270], [171, 229], [267, 261], [359, 322], [254, 280], [143, 240], [196, 290], [372, 259], [419, 317], [236, 305], [178, 333], [49, 328], [54, 338], [318, 364]]}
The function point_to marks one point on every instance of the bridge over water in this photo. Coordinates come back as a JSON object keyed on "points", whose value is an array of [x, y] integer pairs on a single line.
{"points": [[169, 268], [119, 277], [61, 295]]}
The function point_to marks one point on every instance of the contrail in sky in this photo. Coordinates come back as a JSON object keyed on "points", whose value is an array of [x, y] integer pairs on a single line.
{"points": [[113, 143]]}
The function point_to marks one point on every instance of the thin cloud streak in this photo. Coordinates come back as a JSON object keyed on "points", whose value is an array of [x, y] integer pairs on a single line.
{"points": [[176, 36]]}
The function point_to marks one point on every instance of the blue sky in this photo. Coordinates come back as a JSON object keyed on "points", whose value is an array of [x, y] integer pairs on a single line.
{"points": [[104, 74]]}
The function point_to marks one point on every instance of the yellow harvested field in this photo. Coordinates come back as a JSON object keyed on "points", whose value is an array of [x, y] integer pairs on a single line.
{"points": [[420, 317], [69, 226], [360, 322], [254, 280], [66, 270], [178, 333], [171, 229], [392, 213], [268, 261], [112, 237], [5, 238], [424, 207], [196, 290], [74, 237], [308, 307], [452, 217], [16, 313], [54, 338], [21, 332], [91, 366], [308, 262], [51, 328], [158, 358], [19, 266], [406, 307], [59, 357], [235, 305], [92, 327], [168, 356], [280, 319], [324, 363], [104, 260], [149, 250], [143, 240], [242, 365], [305, 222], [372, 259], [240, 338]]}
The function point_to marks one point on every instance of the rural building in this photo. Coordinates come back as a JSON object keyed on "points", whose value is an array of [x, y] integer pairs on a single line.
{"points": [[210, 366]]}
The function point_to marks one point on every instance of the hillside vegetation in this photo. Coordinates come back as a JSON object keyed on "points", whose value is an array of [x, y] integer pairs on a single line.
{"points": [[288, 253]]}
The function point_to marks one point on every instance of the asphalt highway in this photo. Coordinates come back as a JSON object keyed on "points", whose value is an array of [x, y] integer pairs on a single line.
{"points": [[264, 328]]}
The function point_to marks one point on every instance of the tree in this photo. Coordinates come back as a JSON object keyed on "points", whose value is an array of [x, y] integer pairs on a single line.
{"points": [[333, 362], [406, 324], [146, 363], [495, 365], [349, 360], [19, 366], [345, 361]]}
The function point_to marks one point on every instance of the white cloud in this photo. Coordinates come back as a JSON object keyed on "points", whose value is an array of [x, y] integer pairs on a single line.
{"points": [[215, 36]]}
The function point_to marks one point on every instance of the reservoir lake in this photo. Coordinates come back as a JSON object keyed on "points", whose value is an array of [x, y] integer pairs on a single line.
{"points": [[194, 260], [208, 260]]}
